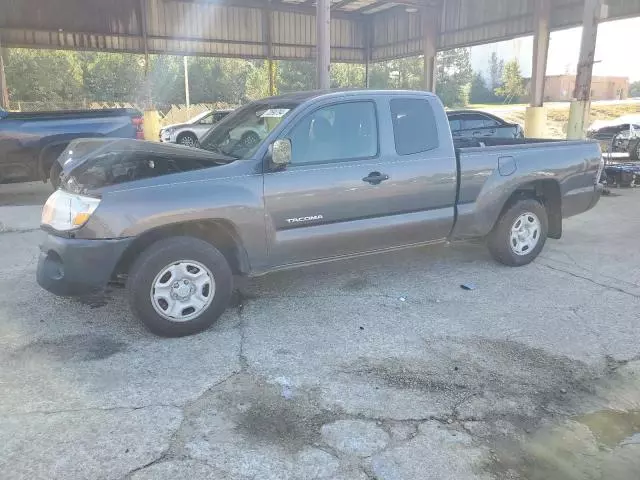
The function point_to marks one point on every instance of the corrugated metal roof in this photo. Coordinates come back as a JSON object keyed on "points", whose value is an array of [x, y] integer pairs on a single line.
{"points": [[240, 28]]}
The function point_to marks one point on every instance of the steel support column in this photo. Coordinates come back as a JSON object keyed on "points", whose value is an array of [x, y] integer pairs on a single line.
{"points": [[594, 11], [268, 40], [4, 89], [368, 49], [323, 44], [145, 46], [536, 114], [430, 34]]}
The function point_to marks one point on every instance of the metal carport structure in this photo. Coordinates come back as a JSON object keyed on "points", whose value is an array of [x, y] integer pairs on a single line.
{"points": [[357, 31]]}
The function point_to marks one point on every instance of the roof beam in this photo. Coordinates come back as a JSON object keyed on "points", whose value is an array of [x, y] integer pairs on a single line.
{"points": [[342, 3], [307, 7], [393, 3]]}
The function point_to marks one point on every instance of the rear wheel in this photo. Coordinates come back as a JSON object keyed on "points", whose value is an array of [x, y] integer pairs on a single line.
{"points": [[179, 286], [520, 233]]}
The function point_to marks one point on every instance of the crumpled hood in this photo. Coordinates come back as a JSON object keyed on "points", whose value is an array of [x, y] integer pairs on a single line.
{"points": [[90, 164]]}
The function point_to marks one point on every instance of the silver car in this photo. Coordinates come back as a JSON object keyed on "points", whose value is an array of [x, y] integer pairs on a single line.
{"points": [[191, 132]]}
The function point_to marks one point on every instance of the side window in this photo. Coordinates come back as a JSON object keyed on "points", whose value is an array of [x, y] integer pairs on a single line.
{"points": [[472, 121], [491, 122], [414, 126], [477, 120], [219, 116], [208, 120], [337, 132], [455, 123]]}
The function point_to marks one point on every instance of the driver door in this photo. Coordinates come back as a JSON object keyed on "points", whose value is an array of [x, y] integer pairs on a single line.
{"points": [[347, 192]]}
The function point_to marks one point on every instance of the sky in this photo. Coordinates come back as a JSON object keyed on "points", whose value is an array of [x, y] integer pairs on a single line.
{"points": [[616, 52]]}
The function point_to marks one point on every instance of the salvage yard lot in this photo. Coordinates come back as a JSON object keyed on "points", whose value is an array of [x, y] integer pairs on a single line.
{"points": [[376, 368]]}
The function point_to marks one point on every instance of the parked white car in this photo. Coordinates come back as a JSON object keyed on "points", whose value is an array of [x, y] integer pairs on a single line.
{"points": [[191, 132]]}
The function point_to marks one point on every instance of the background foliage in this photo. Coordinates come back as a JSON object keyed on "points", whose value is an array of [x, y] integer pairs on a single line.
{"points": [[61, 76]]}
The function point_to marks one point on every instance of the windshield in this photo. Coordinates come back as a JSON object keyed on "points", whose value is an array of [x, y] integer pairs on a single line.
{"points": [[240, 134], [199, 117]]}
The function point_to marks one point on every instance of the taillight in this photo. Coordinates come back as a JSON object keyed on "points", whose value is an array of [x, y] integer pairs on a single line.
{"points": [[599, 172], [138, 122]]}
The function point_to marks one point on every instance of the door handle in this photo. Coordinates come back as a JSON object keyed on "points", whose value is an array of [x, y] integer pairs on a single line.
{"points": [[375, 178]]}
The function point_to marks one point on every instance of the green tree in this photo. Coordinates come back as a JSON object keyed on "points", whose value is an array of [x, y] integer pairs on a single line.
{"points": [[257, 83], [117, 77], [346, 75], [296, 76], [479, 92], [454, 76], [166, 79], [496, 69], [634, 89], [220, 80], [512, 87], [405, 73], [43, 76]]}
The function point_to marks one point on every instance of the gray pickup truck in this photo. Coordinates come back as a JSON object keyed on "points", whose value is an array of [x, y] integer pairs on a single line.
{"points": [[338, 175]]}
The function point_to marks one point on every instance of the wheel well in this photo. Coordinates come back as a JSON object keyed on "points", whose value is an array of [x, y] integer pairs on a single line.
{"points": [[219, 233], [46, 157], [186, 134], [548, 193]]}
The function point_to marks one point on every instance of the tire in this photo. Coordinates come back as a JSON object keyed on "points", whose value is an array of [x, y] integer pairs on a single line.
{"points": [[50, 166], [501, 241], [170, 253], [54, 174], [188, 140], [634, 152], [250, 139]]}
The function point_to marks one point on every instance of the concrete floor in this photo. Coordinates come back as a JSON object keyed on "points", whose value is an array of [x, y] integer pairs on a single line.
{"points": [[380, 368]]}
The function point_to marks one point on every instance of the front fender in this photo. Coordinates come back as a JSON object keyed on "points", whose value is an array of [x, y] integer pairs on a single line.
{"points": [[237, 200]]}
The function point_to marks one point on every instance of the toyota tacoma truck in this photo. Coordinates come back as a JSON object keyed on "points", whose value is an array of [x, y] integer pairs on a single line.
{"points": [[30, 142], [339, 174]]}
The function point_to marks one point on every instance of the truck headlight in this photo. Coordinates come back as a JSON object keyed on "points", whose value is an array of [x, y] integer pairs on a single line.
{"points": [[67, 211]]}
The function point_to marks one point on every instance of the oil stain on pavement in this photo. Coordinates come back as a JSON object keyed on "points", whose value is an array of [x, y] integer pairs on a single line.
{"points": [[71, 348]]}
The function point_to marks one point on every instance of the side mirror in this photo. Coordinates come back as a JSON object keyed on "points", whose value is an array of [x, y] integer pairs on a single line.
{"points": [[281, 152]]}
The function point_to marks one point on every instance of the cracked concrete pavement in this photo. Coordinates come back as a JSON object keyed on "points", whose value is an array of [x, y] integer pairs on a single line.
{"points": [[377, 368]]}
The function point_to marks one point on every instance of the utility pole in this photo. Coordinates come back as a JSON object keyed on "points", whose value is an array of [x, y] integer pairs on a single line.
{"points": [[186, 81]]}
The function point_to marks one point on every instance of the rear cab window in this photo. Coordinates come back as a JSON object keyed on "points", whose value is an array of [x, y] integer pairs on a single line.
{"points": [[414, 125]]}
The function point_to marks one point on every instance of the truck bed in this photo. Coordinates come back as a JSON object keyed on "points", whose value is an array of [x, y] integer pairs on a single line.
{"points": [[69, 114], [491, 169]]}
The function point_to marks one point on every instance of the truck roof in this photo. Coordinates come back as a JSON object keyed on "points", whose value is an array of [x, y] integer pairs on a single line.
{"points": [[311, 94]]}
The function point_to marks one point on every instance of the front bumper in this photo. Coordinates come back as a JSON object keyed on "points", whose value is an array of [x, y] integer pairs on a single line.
{"points": [[72, 267]]}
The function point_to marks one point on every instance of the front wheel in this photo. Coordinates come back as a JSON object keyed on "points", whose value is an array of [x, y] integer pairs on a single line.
{"points": [[520, 233], [188, 140], [179, 286]]}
